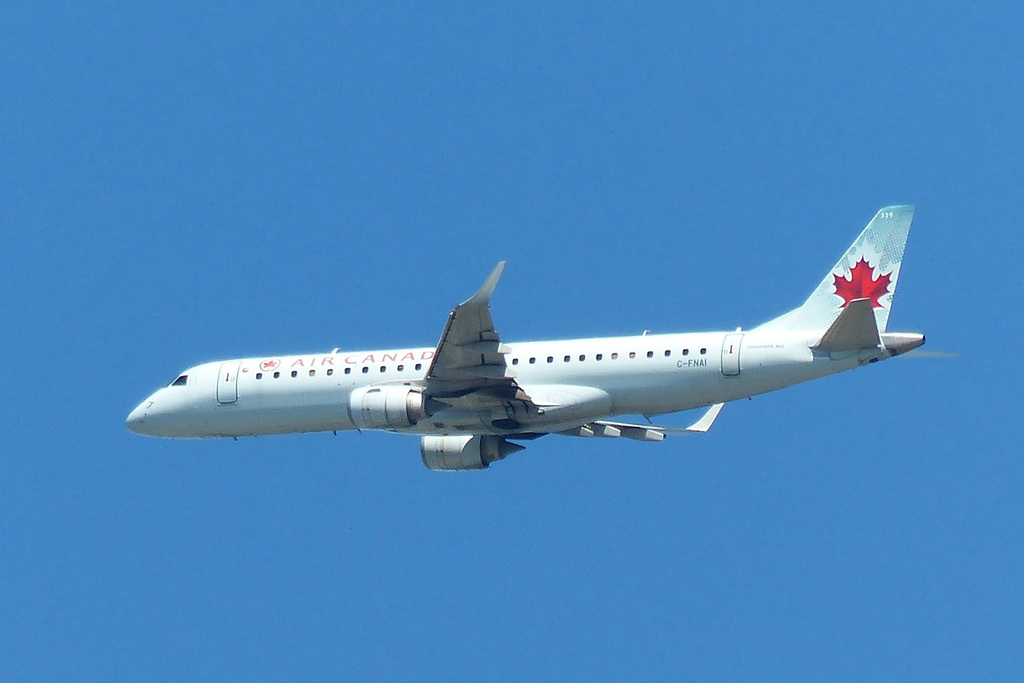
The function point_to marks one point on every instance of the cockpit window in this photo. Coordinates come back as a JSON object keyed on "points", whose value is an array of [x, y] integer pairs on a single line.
{"points": [[180, 382]]}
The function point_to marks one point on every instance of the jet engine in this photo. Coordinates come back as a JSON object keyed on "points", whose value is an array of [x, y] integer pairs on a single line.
{"points": [[387, 407], [464, 452]]}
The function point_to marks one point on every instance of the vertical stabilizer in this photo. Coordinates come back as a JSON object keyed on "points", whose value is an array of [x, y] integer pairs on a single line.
{"points": [[868, 270]]}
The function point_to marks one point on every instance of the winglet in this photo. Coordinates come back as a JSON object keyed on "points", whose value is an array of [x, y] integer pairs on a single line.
{"points": [[853, 330], [487, 289], [704, 423]]}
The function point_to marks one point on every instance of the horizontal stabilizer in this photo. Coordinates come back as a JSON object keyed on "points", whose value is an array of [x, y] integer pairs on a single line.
{"points": [[853, 330]]}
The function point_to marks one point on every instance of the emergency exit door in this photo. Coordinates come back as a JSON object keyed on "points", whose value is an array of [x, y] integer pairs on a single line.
{"points": [[731, 355], [227, 382]]}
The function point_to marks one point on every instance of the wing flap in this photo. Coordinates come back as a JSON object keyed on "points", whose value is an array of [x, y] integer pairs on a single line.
{"points": [[479, 371]]}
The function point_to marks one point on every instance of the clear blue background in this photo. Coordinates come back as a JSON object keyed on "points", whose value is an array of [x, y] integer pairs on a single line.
{"points": [[183, 183]]}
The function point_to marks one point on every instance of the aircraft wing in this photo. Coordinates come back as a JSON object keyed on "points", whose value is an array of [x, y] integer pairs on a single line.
{"points": [[613, 430], [469, 370]]}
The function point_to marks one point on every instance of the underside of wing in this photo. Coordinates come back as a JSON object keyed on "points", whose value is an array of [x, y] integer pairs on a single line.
{"points": [[468, 371], [608, 429]]}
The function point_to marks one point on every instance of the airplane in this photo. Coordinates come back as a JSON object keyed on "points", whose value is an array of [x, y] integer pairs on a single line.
{"points": [[473, 398]]}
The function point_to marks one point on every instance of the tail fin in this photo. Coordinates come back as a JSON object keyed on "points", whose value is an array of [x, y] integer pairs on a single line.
{"points": [[868, 270]]}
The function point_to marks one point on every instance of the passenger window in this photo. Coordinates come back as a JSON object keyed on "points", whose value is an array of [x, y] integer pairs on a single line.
{"points": [[419, 366], [515, 361], [615, 356], [598, 356], [650, 354], [276, 375], [366, 369], [180, 382], [312, 373], [632, 354], [686, 352], [383, 368], [583, 357], [401, 367], [567, 359], [532, 361], [295, 373], [330, 371], [703, 351], [259, 375], [551, 359], [348, 371], [667, 353]]}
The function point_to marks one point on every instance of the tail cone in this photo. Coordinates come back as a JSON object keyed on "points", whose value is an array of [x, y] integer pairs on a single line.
{"points": [[897, 343]]}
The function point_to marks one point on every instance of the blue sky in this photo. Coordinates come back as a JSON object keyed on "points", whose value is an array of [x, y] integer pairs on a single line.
{"points": [[185, 183]]}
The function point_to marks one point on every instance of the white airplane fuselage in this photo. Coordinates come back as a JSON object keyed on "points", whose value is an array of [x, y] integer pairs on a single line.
{"points": [[648, 375], [471, 395]]}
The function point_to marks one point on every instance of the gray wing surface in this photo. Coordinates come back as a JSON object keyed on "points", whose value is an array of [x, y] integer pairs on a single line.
{"points": [[469, 370]]}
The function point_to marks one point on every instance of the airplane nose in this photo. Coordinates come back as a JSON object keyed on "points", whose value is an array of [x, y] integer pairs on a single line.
{"points": [[137, 418]]}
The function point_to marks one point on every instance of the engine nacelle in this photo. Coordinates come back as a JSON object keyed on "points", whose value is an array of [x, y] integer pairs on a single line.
{"points": [[387, 407], [464, 452]]}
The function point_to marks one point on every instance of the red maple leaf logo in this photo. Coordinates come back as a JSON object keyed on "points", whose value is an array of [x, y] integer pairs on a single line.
{"points": [[862, 284], [268, 365]]}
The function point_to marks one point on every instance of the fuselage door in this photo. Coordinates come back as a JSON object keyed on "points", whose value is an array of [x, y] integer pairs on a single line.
{"points": [[227, 382], [731, 354]]}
